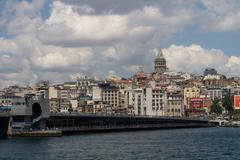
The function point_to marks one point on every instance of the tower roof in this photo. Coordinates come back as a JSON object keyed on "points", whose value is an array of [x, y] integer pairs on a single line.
{"points": [[160, 54]]}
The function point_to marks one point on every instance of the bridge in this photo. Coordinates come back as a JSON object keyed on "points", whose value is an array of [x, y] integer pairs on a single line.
{"points": [[4, 122], [36, 115], [79, 123], [5, 114]]}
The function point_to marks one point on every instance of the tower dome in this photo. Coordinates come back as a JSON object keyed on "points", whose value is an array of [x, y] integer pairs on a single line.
{"points": [[160, 63]]}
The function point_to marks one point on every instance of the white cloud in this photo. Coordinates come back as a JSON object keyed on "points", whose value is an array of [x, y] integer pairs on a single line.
{"points": [[23, 25], [58, 57], [85, 9], [21, 17], [233, 65], [221, 15], [195, 59], [79, 29], [83, 39], [23, 7], [84, 29], [8, 46]]}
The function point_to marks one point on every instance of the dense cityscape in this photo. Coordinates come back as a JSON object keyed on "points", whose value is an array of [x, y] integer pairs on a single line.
{"points": [[159, 93], [119, 80]]}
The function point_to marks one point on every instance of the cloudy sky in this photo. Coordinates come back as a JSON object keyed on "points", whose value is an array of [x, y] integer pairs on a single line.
{"points": [[59, 40]]}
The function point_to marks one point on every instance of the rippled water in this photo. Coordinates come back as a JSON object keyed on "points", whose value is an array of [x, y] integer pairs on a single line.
{"points": [[201, 143]]}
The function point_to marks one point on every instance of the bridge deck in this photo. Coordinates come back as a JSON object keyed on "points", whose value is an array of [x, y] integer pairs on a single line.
{"points": [[78, 115], [4, 114], [88, 122]]}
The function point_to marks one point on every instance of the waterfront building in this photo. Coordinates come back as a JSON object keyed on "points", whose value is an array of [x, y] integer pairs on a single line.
{"points": [[235, 91], [69, 84], [17, 91], [226, 91], [108, 93], [176, 77], [128, 103], [175, 104], [193, 81], [190, 92], [42, 93], [237, 80], [59, 98], [85, 85], [199, 106], [64, 94], [65, 105], [136, 99], [84, 102], [140, 79], [200, 103], [72, 89], [236, 102], [223, 82], [12, 100], [41, 89], [156, 101], [74, 103], [146, 101], [54, 104], [54, 92], [215, 93]]}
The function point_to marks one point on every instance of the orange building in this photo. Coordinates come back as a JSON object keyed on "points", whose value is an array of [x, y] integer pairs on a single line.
{"points": [[237, 102]]}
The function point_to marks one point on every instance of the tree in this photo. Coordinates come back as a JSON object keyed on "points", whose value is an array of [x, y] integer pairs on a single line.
{"points": [[227, 104], [216, 108]]}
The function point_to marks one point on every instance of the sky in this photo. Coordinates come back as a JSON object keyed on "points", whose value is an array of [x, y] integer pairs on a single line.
{"points": [[60, 40]]}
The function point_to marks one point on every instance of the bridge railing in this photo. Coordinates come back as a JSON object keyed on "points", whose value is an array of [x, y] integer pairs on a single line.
{"points": [[127, 116], [134, 126]]}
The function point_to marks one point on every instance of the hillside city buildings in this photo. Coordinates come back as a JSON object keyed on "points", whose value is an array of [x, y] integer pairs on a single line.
{"points": [[159, 93]]}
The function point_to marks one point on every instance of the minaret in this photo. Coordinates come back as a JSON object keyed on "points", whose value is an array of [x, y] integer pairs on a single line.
{"points": [[160, 63]]}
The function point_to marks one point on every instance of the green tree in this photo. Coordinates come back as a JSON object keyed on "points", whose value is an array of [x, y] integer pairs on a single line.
{"points": [[216, 108], [227, 104]]}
